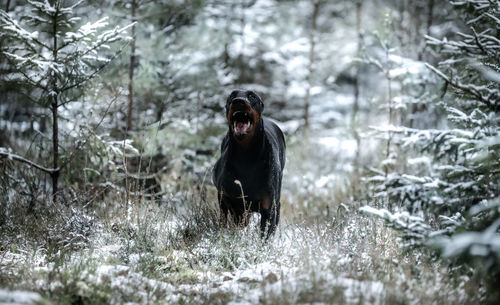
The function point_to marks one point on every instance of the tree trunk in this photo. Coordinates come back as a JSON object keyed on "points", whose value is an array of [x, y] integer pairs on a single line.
{"points": [[430, 13], [55, 149], [389, 98], [310, 68], [55, 118], [131, 71], [355, 106]]}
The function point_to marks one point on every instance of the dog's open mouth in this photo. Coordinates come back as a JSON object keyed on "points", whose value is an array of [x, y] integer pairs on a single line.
{"points": [[242, 123]]}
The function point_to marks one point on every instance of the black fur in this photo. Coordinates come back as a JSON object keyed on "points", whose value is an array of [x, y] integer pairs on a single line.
{"points": [[257, 165]]}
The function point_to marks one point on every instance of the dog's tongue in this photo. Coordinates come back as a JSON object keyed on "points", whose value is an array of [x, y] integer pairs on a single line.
{"points": [[241, 127]]}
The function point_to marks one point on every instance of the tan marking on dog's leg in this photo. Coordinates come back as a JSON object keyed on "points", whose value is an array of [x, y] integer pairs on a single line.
{"points": [[266, 203]]}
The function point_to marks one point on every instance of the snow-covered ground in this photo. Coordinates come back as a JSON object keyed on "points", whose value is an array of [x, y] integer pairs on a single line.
{"points": [[330, 261], [324, 251]]}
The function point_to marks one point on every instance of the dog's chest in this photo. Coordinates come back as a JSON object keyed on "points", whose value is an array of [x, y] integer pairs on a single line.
{"points": [[253, 177]]}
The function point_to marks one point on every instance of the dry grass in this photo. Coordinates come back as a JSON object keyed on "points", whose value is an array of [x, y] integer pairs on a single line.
{"points": [[175, 252]]}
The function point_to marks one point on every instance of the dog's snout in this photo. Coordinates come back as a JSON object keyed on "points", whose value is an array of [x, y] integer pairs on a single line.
{"points": [[239, 101]]}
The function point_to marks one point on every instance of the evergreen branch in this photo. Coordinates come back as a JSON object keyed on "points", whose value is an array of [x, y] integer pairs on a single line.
{"points": [[80, 144], [83, 80], [16, 31], [455, 46], [75, 5], [467, 89], [93, 74], [37, 84], [482, 47], [497, 20], [115, 34], [372, 61]]}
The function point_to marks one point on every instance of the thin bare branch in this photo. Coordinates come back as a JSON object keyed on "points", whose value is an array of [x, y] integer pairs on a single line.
{"points": [[14, 157]]}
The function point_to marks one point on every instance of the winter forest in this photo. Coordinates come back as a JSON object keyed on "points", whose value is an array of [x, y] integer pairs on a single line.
{"points": [[112, 115]]}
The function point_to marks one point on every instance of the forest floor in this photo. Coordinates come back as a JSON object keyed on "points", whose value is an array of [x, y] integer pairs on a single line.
{"points": [[113, 251], [324, 252]]}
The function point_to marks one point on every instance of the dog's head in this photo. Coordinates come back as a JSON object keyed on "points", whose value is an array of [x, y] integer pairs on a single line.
{"points": [[243, 112]]}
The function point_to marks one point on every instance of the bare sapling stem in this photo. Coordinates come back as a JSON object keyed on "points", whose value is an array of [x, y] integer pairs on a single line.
{"points": [[245, 210]]}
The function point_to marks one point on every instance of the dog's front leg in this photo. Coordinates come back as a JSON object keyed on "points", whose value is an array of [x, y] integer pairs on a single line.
{"points": [[267, 217], [223, 211]]}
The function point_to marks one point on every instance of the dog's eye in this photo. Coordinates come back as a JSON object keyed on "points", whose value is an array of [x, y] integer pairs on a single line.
{"points": [[252, 97], [233, 94]]}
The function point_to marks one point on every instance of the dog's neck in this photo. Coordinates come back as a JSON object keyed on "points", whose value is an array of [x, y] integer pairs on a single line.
{"points": [[251, 146]]}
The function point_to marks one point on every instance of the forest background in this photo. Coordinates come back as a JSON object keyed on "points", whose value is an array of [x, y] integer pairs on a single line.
{"points": [[111, 117]]}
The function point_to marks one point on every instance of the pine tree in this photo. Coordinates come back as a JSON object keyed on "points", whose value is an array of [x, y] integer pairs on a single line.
{"points": [[454, 202], [55, 62]]}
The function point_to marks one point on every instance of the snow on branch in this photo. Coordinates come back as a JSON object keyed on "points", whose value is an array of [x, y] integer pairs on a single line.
{"points": [[10, 28], [4, 153], [43, 6], [483, 244], [478, 4], [497, 20], [469, 88], [415, 229], [79, 57]]}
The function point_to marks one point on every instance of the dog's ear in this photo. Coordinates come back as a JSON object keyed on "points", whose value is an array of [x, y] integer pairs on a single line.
{"points": [[255, 99], [230, 98]]}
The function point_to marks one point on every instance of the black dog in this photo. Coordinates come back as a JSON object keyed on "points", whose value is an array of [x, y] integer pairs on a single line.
{"points": [[249, 172]]}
